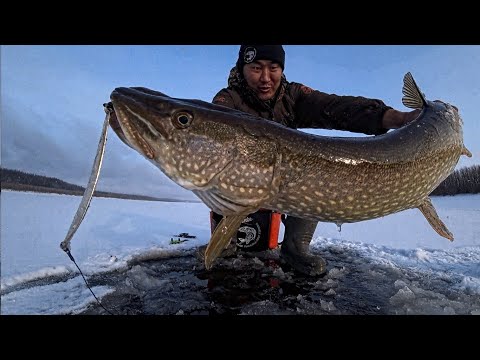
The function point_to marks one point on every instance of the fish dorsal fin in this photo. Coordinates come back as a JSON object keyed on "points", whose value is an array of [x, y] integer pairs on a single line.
{"points": [[413, 97]]}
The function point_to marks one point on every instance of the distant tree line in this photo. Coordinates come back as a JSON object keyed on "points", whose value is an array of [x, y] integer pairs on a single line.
{"points": [[462, 181], [22, 181], [24, 178]]}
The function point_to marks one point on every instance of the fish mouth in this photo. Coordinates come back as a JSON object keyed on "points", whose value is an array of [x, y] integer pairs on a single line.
{"points": [[143, 116], [130, 106]]}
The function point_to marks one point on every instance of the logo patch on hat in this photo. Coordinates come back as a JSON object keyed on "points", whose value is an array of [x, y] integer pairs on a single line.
{"points": [[249, 55]]}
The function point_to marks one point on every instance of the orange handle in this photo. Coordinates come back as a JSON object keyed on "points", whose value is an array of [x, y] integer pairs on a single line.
{"points": [[274, 230]]}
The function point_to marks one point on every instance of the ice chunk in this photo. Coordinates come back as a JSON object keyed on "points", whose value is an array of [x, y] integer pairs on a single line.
{"points": [[403, 295]]}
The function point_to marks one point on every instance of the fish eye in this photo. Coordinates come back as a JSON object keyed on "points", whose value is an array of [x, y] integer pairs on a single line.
{"points": [[182, 119]]}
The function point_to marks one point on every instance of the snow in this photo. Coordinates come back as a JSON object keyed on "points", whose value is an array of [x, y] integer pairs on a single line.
{"points": [[116, 231]]}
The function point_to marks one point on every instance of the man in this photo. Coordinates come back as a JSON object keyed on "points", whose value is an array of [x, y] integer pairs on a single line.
{"points": [[257, 85]]}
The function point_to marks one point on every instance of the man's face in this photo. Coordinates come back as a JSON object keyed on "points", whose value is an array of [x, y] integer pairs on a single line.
{"points": [[264, 77]]}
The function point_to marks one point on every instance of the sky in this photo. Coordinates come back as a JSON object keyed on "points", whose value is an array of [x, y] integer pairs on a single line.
{"points": [[52, 96], [37, 277]]}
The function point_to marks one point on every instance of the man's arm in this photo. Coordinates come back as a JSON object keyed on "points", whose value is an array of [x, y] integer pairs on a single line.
{"points": [[315, 109], [393, 119]]}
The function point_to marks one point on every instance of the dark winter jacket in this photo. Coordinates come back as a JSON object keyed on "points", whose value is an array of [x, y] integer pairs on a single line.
{"points": [[298, 106]]}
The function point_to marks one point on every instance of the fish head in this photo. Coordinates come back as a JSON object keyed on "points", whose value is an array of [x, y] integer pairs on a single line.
{"points": [[180, 137]]}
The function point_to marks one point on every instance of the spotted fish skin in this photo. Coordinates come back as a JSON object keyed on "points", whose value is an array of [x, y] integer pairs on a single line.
{"points": [[237, 163]]}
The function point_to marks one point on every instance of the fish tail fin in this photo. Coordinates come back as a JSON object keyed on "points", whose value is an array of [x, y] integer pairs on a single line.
{"points": [[413, 98]]}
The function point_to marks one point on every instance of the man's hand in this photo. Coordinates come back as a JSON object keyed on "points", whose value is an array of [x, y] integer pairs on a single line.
{"points": [[394, 119]]}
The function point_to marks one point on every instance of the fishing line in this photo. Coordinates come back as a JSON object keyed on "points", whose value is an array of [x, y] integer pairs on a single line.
{"points": [[86, 283]]}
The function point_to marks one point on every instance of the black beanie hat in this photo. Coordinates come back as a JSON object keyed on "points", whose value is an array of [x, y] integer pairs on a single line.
{"points": [[250, 53]]}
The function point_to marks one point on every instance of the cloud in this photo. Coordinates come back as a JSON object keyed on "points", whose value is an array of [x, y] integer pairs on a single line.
{"points": [[30, 148], [32, 144]]}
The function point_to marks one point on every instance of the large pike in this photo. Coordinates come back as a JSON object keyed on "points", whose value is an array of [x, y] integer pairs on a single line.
{"points": [[237, 163]]}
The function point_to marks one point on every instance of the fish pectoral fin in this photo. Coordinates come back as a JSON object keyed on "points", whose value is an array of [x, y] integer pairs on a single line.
{"points": [[431, 215], [224, 231]]}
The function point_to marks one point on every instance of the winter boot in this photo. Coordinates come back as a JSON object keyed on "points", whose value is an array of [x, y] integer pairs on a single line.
{"points": [[295, 247]]}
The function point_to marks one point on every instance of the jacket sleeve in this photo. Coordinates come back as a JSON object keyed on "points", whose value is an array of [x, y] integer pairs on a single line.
{"points": [[316, 109], [224, 98]]}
